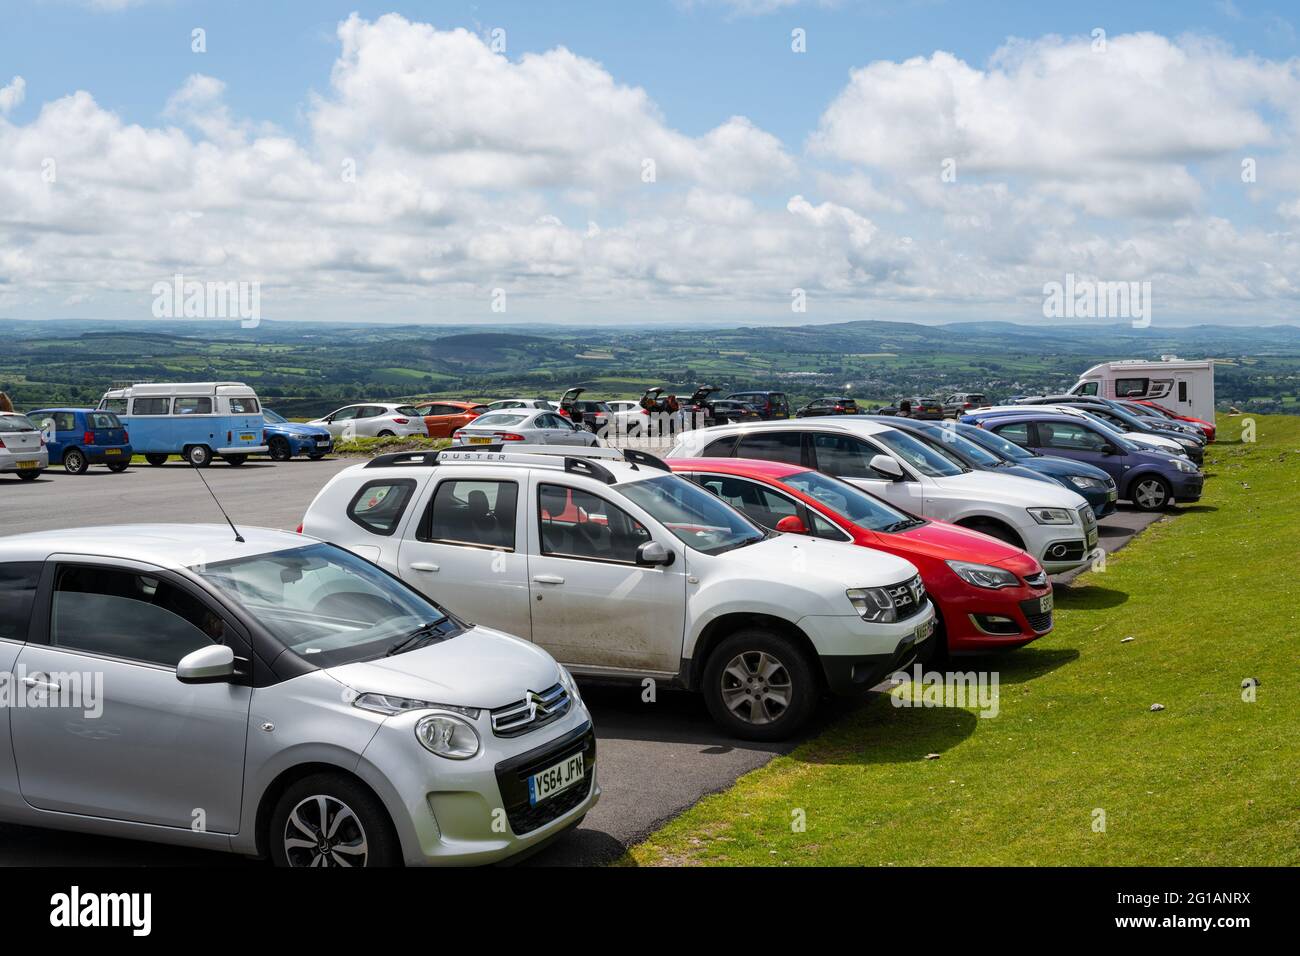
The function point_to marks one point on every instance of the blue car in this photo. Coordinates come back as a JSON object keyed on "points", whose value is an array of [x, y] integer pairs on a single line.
{"points": [[80, 437], [1094, 485], [284, 438], [1150, 479], [1121, 419]]}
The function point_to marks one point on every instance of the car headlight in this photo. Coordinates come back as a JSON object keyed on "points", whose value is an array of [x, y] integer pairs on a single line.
{"points": [[447, 736], [984, 575], [1051, 515], [873, 604], [386, 704], [1185, 465], [1083, 481], [568, 683]]}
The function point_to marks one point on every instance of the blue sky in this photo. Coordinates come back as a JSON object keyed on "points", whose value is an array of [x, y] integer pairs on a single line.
{"points": [[777, 170]]}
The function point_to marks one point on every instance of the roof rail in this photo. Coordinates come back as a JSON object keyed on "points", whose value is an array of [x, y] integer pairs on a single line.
{"points": [[407, 458], [585, 466], [637, 457]]}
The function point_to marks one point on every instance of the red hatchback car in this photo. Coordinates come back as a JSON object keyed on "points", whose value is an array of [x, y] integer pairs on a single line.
{"points": [[988, 594]]}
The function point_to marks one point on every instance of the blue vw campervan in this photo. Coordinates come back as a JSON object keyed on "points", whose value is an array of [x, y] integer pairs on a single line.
{"points": [[195, 420]]}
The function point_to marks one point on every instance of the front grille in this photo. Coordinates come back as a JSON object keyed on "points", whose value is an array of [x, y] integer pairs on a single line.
{"points": [[534, 711], [909, 597], [512, 779], [1040, 621], [1087, 518], [1036, 580]]}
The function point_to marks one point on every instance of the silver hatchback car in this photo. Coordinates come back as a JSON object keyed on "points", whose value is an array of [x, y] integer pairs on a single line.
{"points": [[274, 696], [22, 449]]}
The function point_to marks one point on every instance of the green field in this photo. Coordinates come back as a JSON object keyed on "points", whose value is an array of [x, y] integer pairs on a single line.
{"points": [[1208, 596]]}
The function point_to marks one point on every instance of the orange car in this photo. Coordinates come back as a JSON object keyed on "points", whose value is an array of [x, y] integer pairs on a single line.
{"points": [[443, 418]]}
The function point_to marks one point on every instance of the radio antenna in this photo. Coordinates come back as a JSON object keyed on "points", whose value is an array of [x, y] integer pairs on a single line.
{"points": [[238, 537]]}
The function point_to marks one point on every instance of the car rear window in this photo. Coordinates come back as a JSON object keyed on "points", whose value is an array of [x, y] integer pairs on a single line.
{"points": [[243, 406], [17, 592], [16, 423], [104, 420], [498, 419], [410, 410], [379, 505]]}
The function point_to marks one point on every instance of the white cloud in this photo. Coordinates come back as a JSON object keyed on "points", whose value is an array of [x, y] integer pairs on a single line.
{"points": [[12, 95]]}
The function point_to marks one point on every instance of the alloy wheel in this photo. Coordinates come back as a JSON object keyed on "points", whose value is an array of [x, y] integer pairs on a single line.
{"points": [[756, 687], [1150, 494], [324, 831]]}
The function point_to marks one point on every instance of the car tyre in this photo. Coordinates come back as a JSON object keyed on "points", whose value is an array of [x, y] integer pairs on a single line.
{"points": [[119, 466], [74, 462], [1151, 493], [29, 475], [280, 450], [156, 460], [356, 830], [758, 685], [995, 530], [386, 434], [200, 456], [234, 461]]}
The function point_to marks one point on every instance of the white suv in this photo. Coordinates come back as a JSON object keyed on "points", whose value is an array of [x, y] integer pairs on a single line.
{"points": [[621, 569], [1052, 523]]}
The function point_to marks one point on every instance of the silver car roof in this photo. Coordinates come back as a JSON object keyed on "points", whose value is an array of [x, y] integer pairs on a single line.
{"points": [[166, 545]]}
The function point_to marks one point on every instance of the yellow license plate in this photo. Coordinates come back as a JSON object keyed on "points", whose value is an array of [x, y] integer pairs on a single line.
{"points": [[28, 465], [112, 451], [246, 437], [480, 441]]}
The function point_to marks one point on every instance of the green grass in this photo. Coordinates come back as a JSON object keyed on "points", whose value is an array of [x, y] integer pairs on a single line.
{"points": [[381, 446], [1209, 597]]}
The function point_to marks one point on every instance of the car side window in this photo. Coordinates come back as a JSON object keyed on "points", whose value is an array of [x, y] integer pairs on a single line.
{"points": [[763, 505], [845, 456], [773, 446], [150, 406], [193, 406], [1017, 432], [345, 414], [129, 615], [17, 591], [65, 421], [117, 405], [578, 524], [1072, 437], [821, 528], [442, 410], [478, 514], [721, 448], [379, 505], [243, 406]]}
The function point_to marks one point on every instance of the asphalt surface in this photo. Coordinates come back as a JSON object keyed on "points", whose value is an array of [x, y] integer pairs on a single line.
{"points": [[655, 759]]}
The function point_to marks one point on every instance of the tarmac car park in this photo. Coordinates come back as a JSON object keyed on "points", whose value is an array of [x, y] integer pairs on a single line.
{"points": [[535, 541]]}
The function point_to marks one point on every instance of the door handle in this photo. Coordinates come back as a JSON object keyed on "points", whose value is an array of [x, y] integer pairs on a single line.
{"points": [[42, 684], [423, 566], [548, 579]]}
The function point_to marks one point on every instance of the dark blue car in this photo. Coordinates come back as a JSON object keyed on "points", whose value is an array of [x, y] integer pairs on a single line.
{"points": [[284, 438], [1121, 419], [1093, 484], [80, 437], [1149, 479]]}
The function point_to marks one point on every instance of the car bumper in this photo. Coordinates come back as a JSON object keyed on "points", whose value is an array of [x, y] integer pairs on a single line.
{"points": [[476, 811], [1002, 619], [856, 656], [1188, 487], [243, 450], [107, 454], [309, 446], [25, 461]]}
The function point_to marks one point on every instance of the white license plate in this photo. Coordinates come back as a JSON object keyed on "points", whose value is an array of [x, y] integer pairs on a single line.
{"points": [[547, 783], [480, 441], [1045, 604], [27, 465], [322, 443], [1092, 538]]}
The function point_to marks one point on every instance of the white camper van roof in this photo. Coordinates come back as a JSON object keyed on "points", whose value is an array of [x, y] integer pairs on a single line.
{"points": [[190, 388], [1146, 365]]}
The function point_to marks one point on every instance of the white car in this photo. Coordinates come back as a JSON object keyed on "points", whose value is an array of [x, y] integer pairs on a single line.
{"points": [[1141, 439], [275, 695], [22, 447], [374, 420], [629, 418], [508, 403], [525, 425], [1051, 522], [622, 570]]}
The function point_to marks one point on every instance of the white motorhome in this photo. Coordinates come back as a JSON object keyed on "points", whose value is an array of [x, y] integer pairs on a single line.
{"points": [[1183, 387]]}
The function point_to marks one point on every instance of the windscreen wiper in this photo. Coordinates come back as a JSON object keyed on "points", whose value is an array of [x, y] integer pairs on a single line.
{"points": [[420, 633]]}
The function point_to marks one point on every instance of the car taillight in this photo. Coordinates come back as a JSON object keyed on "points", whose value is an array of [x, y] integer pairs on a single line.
{"points": [[509, 436], [298, 529], [88, 438], [401, 421], [126, 435], [2, 441], [455, 435]]}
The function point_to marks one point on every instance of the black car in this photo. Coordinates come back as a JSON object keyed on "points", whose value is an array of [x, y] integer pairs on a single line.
{"points": [[828, 406], [770, 405], [924, 409], [726, 412]]}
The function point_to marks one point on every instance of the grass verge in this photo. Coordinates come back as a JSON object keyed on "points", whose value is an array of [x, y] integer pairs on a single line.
{"points": [[1209, 597]]}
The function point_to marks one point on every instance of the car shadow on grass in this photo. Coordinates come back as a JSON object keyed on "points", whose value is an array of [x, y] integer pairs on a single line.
{"points": [[1086, 597]]}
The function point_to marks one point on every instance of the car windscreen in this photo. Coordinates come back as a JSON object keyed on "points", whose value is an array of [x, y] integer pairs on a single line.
{"points": [[273, 417], [924, 458], [328, 605], [697, 518], [848, 500], [498, 420], [1004, 447], [16, 423], [963, 447]]}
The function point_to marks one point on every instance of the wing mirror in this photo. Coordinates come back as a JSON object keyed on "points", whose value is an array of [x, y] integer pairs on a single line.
{"points": [[792, 524], [207, 665], [884, 465], [1108, 449], [653, 553]]}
